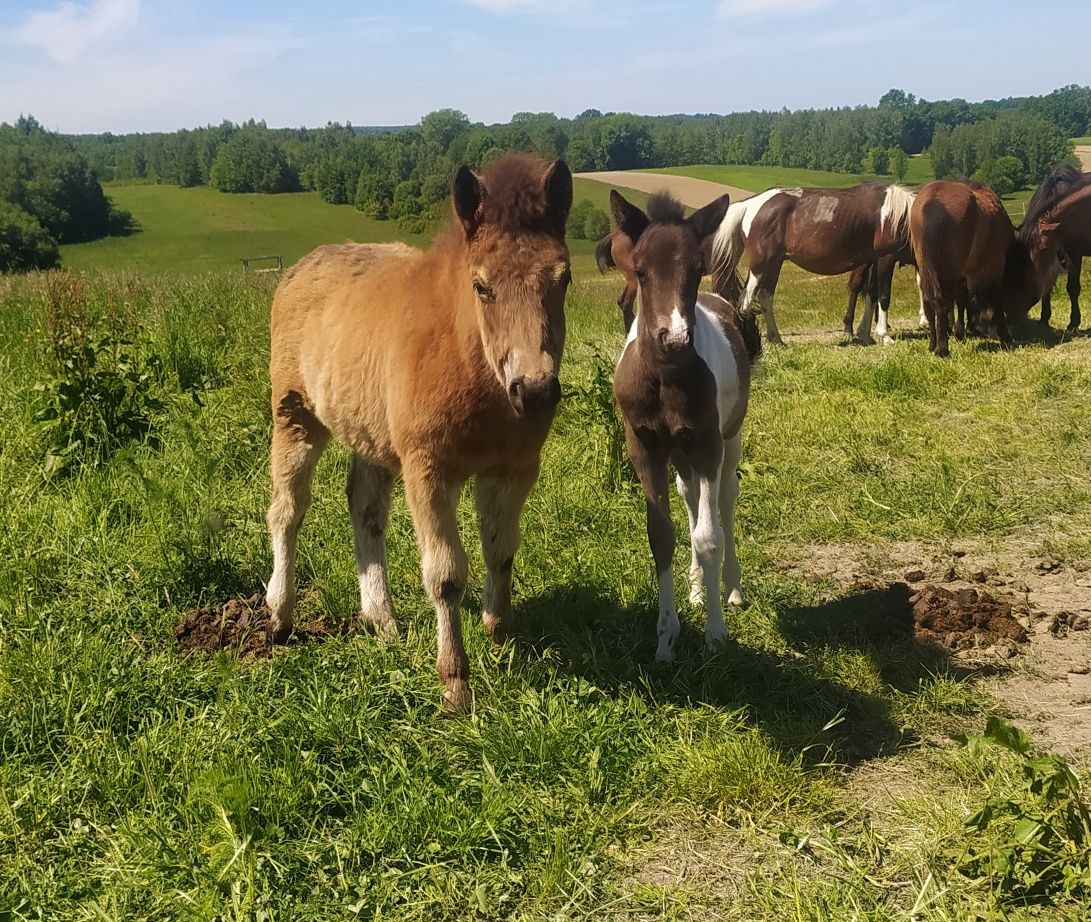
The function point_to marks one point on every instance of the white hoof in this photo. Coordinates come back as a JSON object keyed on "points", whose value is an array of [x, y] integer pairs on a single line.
{"points": [[735, 598], [665, 651], [715, 634]]}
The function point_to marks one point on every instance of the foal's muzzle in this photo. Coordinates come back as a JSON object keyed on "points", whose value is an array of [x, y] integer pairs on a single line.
{"points": [[534, 395], [671, 341]]}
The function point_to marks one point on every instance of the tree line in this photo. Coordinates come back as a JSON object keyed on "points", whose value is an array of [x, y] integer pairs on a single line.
{"points": [[403, 174], [49, 195]]}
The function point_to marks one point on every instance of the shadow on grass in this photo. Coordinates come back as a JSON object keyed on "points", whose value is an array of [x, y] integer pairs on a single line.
{"points": [[785, 694]]}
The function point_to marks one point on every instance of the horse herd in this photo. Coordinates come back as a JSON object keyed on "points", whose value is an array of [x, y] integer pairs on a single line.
{"points": [[442, 365]]}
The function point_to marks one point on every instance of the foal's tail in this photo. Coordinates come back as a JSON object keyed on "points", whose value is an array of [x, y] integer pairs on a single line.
{"points": [[604, 253], [747, 322], [730, 241]]}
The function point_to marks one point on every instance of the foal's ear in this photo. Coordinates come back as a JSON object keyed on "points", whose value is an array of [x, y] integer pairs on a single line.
{"points": [[469, 195], [1047, 232], [705, 222], [558, 191], [631, 221]]}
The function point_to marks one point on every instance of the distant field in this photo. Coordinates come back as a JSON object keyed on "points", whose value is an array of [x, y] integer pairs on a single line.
{"points": [[759, 178], [202, 230]]}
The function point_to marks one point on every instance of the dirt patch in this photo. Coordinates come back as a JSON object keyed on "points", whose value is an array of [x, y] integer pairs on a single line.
{"points": [[1046, 690], [242, 626], [1083, 151], [689, 191], [958, 619]]}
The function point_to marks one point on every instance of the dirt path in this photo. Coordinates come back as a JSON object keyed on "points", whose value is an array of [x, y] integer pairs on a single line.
{"points": [[689, 191], [1083, 151]]}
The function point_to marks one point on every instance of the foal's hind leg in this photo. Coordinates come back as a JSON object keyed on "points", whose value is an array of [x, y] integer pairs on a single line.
{"points": [[688, 489], [729, 493], [369, 488], [298, 441], [499, 503]]}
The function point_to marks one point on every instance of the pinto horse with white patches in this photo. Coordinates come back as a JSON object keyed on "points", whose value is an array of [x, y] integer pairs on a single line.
{"points": [[682, 383], [439, 365], [824, 231]]}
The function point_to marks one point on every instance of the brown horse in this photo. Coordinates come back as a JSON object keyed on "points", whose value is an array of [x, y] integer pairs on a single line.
{"points": [[964, 241], [1062, 181], [440, 365], [825, 231], [615, 251], [682, 383]]}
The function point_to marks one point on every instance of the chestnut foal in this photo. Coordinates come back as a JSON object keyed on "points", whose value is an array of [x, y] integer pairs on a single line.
{"points": [[439, 365], [682, 383]]}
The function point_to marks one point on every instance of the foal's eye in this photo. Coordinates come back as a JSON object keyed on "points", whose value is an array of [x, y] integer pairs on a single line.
{"points": [[641, 274], [482, 290], [566, 279]]}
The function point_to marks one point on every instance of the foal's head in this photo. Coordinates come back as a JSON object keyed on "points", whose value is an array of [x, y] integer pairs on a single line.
{"points": [[513, 218], [670, 254]]}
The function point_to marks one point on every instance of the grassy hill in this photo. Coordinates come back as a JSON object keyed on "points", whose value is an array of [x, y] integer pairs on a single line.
{"points": [[758, 178], [202, 230]]}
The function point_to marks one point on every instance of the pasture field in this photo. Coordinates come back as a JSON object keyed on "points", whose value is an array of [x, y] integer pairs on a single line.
{"points": [[806, 770], [201, 230], [759, 178]]}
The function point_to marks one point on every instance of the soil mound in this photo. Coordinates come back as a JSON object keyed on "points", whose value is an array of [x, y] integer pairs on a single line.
{"points": [[241, 626]]}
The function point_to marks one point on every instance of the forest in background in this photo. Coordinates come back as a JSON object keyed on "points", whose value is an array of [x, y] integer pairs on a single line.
{"points": [[50, 184]]}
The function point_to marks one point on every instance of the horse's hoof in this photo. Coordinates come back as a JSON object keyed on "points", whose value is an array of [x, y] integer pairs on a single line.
{"points": [[382, 624], [664, 653], [498, 629], [458, 698], [279, 632], [714, 638], [888, 341]]}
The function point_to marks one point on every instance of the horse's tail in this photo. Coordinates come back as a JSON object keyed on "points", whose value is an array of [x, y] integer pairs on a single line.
{"points": [[894, 214], [929, 253], [729, 242], [604, 255], [747, 322]]}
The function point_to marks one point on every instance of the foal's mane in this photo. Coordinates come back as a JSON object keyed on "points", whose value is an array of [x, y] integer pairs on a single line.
{"points": [[515, 200], [664, 208]]}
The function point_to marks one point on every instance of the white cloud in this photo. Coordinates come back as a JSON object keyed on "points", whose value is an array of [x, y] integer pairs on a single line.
{"points": [[769, 8], [67, 31]]}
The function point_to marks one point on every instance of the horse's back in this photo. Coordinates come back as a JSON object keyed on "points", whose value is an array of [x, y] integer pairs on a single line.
{"points": [[328, 334]]}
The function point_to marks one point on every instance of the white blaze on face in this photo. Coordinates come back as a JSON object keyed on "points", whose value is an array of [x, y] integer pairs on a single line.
{"points": [[679, 331]]}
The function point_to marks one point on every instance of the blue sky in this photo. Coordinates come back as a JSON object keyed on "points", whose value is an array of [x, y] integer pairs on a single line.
{"points": [[142, 65]]}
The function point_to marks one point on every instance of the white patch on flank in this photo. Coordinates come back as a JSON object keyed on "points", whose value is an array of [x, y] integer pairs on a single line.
{"points": [[825, 208], [712, 346], [796, 193]]}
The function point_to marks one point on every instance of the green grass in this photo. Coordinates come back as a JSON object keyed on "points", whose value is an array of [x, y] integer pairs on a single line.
{"points": [[201, 230], [759, 178], [325, 783], [1086, 139]]}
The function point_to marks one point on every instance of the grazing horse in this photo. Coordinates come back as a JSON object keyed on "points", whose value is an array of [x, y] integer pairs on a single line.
{"points": [[438, 365], [825, 231], [615, 251], [965, 247], [1059, 183], [682, 384]]}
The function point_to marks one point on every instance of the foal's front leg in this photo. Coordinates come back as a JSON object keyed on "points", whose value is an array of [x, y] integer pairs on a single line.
{"points": [[433, 500], [499, 503], [651, 468]]}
